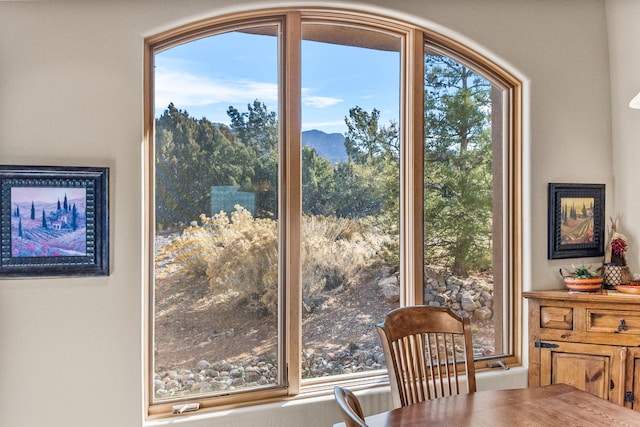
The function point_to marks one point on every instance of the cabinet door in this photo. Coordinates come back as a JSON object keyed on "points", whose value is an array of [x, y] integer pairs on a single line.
{"points": [[632, 386], [596, 369]]}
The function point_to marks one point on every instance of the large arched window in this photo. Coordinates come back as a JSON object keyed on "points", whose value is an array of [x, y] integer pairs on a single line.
{"points": [[308, 171]]}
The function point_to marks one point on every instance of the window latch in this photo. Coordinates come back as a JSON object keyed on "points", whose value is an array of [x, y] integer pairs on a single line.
{"points": [[498, 364], [187, 407]]}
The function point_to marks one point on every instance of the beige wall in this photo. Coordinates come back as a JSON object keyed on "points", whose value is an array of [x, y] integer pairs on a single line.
{"points": [[623, 19], [71, 83]]}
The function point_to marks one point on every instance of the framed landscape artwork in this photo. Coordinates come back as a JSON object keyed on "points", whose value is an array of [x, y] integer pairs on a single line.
{"points": [[54, 221], [576, 220]]}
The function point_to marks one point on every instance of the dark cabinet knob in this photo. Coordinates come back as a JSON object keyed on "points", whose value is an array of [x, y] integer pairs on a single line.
{"points": [[622, 326]]}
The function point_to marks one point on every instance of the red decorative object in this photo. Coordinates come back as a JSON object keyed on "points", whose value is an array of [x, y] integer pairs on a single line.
{"points": [[618, 247]]}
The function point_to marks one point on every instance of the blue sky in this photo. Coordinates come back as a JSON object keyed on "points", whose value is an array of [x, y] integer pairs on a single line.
{"points": [[206, 76]]}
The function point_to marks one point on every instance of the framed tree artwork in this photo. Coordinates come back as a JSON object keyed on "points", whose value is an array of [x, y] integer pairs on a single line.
{"points": [[576, 220], [54, 221]]}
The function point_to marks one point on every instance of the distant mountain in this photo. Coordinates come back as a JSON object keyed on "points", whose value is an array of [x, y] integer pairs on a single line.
{"points": [[328, 145]]}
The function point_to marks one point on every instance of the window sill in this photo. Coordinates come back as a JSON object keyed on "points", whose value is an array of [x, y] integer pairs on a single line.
{"points": [[317, 408]]}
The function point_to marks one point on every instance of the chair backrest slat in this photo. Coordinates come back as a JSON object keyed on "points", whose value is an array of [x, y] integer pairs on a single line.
{"points": [[428, 350]]}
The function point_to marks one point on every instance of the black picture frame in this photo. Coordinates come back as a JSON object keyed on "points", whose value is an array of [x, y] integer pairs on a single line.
{"points": [[54, 221], [576, 220]]}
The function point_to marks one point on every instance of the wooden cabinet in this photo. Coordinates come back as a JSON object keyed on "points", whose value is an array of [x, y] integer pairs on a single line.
{"points": [[588, 340]]}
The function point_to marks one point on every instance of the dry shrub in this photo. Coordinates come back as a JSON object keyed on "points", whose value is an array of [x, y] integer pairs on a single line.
{"points": [[240, 255], [333, 251]]}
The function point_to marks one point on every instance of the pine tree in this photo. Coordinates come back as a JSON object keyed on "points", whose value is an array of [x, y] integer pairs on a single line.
{"points": [[66, 204], [369, 182], [257, 131], [458, 177], [367, 140], [20, 228], [44, 219], [33, 211], [317, 184], [194, 155]]}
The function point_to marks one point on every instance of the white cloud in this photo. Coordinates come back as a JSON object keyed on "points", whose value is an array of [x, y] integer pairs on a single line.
{"points": [[319, 125], [186, 89], [320, 101]]}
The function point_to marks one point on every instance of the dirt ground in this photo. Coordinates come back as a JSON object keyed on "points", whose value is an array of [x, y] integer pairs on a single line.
{"points": [[191, 325]]}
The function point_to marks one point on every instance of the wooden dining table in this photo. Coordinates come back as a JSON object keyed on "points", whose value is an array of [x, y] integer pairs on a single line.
{"points": [[553, 405]]}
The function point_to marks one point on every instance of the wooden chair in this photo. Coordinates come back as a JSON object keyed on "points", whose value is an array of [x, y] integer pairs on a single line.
{"points": [[427, 350], [349, 407]]}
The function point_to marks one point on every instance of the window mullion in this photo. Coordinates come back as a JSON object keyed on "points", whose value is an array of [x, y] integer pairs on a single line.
{"points": [[411, 177], [291, 196]]}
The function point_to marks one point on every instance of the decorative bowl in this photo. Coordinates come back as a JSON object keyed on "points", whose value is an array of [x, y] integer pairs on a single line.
{"points": [[629, 289], [577, 284]]}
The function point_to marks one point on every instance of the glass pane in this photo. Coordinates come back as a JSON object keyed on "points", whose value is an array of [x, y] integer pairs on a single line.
{"points": [[463, 198], [350, 195], [216, 215]]}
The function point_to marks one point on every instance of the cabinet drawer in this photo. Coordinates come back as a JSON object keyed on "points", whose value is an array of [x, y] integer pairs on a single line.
{"points": [[613, 321], [556, 317]]}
